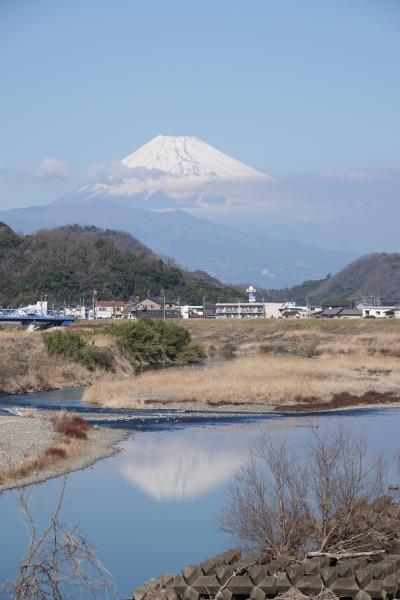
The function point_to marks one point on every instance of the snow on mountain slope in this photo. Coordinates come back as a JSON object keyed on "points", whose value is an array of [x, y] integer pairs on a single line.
{"points": [[187, 156], [175, 172]]}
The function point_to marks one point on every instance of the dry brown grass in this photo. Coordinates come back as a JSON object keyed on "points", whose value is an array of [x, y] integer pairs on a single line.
{"points": [[71, 433], [70, 426], [66, 448], [259, 381], [26, 366], [305, 338]]}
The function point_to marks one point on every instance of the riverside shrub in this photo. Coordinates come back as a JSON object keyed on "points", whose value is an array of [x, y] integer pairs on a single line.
{"points": [[156, 341], [71, 345]]}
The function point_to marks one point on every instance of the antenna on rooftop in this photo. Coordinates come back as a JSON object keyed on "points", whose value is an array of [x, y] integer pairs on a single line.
{"points": [[251, 291]]}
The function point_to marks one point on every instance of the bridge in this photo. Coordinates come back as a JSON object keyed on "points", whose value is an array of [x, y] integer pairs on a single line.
{"points": [[35, 319]]}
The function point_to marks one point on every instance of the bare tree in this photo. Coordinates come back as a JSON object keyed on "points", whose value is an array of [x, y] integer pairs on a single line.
{"points": [[347, 494], [268, 506], [59, 562], [332, 500]]}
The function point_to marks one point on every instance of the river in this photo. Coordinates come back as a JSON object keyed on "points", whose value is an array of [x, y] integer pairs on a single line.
{"points": [[153, 507]]}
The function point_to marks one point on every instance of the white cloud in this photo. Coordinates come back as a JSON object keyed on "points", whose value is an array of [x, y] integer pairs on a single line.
{"points": [[50, 168], [47, 169], [114, 171]]}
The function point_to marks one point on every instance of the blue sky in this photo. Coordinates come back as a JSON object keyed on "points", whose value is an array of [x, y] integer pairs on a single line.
{"points": [[283, 85]]}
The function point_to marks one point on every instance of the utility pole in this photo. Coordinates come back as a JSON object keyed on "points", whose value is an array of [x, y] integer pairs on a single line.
{"points": [[204, 307], [164, 308], [94, 303]]}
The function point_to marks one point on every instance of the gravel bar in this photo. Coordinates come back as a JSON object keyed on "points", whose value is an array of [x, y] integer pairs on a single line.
{"points": [[24, 438]]}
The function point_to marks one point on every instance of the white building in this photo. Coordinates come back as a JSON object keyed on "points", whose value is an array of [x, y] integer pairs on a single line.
{"points": [[376, 311], [40, 308], [239, 310], [272, 310], [290, 310], [189, 311]]}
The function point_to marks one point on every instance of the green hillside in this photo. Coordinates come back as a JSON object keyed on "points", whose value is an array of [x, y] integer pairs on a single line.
{"points": [[375, 274], [69, 262]]}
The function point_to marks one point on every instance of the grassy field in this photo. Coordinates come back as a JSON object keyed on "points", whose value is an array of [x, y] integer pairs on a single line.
{"points": [[305, 337], [277, 363]]}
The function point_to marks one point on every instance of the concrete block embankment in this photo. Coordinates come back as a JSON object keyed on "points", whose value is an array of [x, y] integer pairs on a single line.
{"points": [[231, 577]]}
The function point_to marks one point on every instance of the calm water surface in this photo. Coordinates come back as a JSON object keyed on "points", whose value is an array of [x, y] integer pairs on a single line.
{"points": [[152, 508]]}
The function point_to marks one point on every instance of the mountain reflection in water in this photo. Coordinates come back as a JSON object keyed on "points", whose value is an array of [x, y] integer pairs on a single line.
{"points": [[182, 466]]}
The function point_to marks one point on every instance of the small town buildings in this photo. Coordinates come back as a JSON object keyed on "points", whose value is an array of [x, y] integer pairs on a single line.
{"points": [[154, 303], [111, 309], [156, 307]]}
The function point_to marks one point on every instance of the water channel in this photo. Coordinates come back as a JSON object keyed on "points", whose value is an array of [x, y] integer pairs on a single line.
{"points": [[152, 507]]}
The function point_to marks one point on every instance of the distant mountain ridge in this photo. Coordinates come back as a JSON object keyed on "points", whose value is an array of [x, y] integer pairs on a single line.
{"points": [[372, 275], [67, 263], [229, 255]]}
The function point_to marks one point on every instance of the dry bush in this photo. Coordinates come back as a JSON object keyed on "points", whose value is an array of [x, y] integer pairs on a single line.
{"points": [[70, 425], [333, 499]]}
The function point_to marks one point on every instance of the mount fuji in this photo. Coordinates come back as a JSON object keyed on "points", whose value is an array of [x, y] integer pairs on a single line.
{"points": [[172, 172], [162, 194], [190, 158]]}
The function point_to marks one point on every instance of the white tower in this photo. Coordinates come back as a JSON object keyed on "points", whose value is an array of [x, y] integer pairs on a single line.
{"points": [[251, 291]]}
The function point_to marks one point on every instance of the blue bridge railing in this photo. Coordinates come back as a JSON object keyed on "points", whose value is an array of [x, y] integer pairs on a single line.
{"points": [[24, 316]]}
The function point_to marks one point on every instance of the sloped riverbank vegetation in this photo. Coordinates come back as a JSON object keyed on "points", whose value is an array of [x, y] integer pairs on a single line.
{"points": [[37, 361]]}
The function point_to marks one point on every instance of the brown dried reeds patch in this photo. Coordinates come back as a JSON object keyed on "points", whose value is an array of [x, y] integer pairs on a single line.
{"points": [[71, 426], [52, 454], [260, 381], [304, 337], [67, 435]]}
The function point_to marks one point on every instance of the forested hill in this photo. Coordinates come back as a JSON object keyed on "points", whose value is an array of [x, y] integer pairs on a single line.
{"points": [[375, 274], [69, 262]]}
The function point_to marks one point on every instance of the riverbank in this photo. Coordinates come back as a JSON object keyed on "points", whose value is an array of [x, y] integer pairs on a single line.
{"points": [[25, 440], [308, 361], [77, 356]]}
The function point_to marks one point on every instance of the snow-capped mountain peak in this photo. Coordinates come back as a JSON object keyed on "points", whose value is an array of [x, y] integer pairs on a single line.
{"points": [[189, 157]]}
